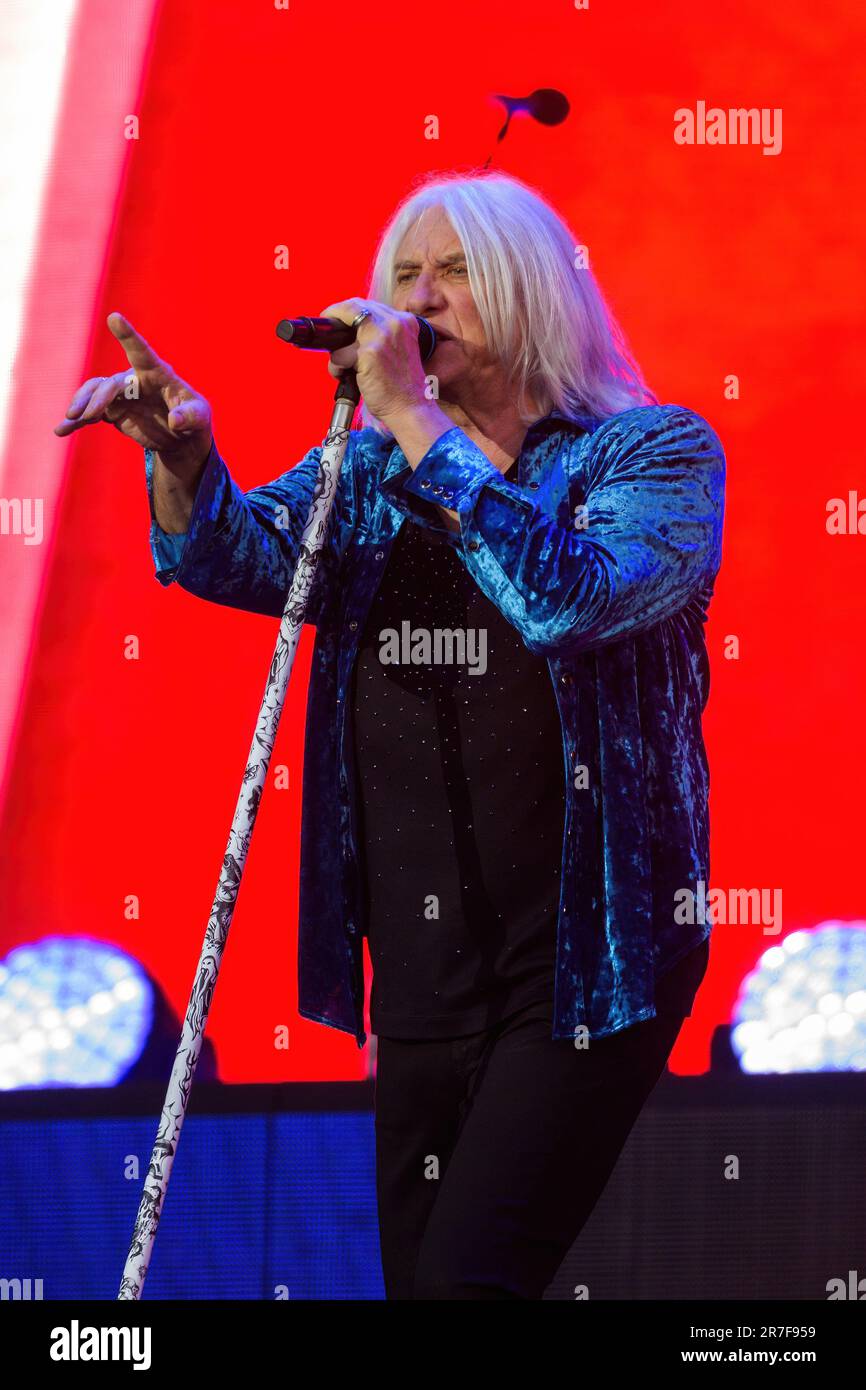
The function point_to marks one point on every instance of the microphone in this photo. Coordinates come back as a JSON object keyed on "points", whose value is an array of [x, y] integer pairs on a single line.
{"points": [[326, 335]]}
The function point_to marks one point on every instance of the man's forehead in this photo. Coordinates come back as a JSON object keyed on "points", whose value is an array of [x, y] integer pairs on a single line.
{"points": [[436, 252], [432, 238]]}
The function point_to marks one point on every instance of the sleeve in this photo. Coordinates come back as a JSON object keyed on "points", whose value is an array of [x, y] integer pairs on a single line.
{"points": [[241, 548], [655, 507]]}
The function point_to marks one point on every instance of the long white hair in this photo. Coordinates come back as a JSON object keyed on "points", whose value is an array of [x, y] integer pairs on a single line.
{"points": [[558, 341]]}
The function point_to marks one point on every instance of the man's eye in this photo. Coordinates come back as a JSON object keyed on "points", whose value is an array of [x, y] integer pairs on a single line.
{"points": [[404, 276]]}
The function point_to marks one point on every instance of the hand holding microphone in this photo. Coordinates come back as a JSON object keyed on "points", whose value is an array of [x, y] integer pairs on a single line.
{"points": [[385, 355], [155, 408]]}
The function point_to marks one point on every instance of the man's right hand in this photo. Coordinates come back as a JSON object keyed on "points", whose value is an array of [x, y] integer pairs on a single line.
{"points": [[150, 404]]}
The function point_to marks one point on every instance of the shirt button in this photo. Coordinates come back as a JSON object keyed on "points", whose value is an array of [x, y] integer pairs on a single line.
{"points": [[534, 486], [565, 679], [473, 545], [426, 482], [350, 928], [438, 487], [379, 555], [352, 625]]}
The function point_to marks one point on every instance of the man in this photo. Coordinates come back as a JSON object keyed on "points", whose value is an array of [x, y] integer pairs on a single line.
{"points": [[505, 782]]}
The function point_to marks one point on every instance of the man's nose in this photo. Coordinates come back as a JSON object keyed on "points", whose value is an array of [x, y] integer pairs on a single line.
{"points": [[425, 295]]}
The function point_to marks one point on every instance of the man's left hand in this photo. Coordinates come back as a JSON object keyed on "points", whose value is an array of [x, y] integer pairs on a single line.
{"points": [[384, 356]]}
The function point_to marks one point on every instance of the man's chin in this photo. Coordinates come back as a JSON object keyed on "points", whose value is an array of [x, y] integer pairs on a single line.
{"points": [[447, 374]]}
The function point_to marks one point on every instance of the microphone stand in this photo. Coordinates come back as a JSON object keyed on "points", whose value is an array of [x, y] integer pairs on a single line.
{"points": [[252, 784]]}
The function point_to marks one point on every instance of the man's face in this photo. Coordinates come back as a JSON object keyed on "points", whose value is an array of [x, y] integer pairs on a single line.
{"points": [[431, 279]]}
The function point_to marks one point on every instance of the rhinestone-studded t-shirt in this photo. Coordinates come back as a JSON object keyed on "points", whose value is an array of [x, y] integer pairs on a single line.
{"points": [[461, 781]]}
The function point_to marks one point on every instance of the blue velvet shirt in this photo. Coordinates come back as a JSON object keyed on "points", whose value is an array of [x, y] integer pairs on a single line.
{"points": [[603, 555]]}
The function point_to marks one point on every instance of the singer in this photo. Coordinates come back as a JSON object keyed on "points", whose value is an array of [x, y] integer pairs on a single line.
{"points": [[515, 841]]}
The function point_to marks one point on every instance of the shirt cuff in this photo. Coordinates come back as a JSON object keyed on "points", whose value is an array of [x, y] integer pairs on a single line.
{"points": [[451, 474], [456, 474], [171, 551]]}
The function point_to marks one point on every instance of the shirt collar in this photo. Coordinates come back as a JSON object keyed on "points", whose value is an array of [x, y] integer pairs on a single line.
{"points": [[546, 424], [556, 419]]}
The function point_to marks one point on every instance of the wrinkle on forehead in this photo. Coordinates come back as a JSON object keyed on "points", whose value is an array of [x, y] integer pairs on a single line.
{"points": [[443, 231]]}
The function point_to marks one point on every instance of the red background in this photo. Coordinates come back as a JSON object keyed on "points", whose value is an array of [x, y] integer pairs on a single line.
{"points": [[304, 127]]}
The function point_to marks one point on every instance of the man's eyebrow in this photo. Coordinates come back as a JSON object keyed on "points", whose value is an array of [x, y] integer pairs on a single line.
{"points": [[450, 259]]}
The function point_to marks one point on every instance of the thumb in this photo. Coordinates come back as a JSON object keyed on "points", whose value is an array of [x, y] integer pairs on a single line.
{"points": [[191, 415]]}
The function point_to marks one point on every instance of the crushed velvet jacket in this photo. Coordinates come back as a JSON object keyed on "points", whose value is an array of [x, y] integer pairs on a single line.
{"points": [[603, 555]]}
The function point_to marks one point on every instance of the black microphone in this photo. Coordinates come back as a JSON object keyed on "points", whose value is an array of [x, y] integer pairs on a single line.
{"points": [[326, 335]]}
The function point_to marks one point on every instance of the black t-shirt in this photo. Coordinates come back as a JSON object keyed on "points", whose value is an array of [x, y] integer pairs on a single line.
{"points": [[461, 781], [462, 791]]}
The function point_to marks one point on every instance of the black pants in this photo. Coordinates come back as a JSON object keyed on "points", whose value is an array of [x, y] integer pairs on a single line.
{"points": [[493, 1149]]}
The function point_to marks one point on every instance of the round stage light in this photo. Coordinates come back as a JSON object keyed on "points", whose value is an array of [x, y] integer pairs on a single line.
{"points": [[803, 1007], [73, 1012]]}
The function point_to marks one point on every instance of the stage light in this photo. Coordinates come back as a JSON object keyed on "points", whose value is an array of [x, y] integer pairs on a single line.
{"points": [[803, 1007], [73, 1012]]}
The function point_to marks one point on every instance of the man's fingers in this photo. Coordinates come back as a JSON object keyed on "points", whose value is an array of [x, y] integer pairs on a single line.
{"points": [[189, 415], [70, 426], [81, 397], [79, 412], [66, 427], [345, 356], [139, 353], [346, 310], [103, 396]]}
